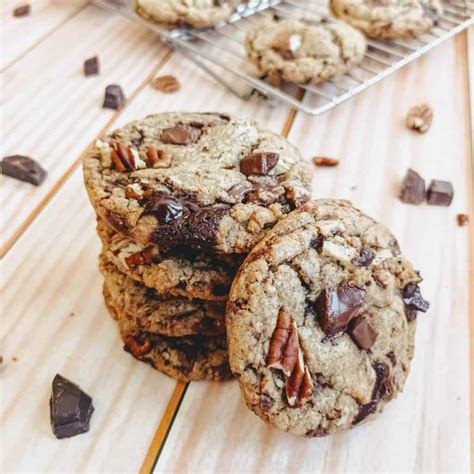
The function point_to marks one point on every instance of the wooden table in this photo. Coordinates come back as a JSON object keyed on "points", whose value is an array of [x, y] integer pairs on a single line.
{"points": [[53, 317]]}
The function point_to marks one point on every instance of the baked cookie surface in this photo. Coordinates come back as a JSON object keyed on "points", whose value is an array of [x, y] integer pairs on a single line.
{"points": [[178, 13], [321, 320], [143, 309], [199, 180], [297, 51], [189, 273], [389, 19]]}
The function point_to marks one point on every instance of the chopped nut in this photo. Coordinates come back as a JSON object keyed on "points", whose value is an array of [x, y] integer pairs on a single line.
{"points": [[137, 348], [158, 158], [299, 385], [419, 118], [123, 158], [166, 84], [325, 161], [134, 191], [144, 257], [462, 219]]}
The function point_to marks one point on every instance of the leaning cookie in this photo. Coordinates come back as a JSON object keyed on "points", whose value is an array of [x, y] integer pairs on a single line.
{"points": [[389, 19], [143, 309], [189, 273], [193, 179], [178, 13], [297, 51], [321, 320]]}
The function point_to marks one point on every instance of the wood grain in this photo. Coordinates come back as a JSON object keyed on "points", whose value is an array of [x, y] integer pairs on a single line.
{"points": [[426, 429]]}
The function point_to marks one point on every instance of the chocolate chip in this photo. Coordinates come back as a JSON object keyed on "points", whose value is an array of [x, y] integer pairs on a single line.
{"points": [[70, 409], [220, 290], [260, 163], [23, 168], [317, 243], [180, 134], [413, 301], [440, 193], [335, 308], [365, 258], [362, 332], [22, 10], [165, 210], [114, 98], [413, 188], [91, 66], [379, 390]]}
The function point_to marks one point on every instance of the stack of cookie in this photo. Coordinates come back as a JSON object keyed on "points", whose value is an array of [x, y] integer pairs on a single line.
{"points": [[180, 199]]}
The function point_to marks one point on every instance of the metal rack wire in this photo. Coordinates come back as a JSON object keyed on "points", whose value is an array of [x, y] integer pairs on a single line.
{"points": [[220, 51]]}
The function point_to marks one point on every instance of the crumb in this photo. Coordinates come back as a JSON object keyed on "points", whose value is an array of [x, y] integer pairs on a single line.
{"points": [[1, 359], [353, 188], [462, 219], [419, 118], [71, 314], [14, 358], [325, 161]]}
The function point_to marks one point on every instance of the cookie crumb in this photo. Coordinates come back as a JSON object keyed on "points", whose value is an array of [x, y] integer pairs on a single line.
{"points": [[325, 161], [166, 84], [1, 359], [22, 10], [14, 358], [71, 314], [462, 219], [419, 118]]}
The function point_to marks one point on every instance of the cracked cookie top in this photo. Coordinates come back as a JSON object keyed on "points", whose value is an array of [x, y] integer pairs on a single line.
{"points": [[321, 320], [299, 51], [201, 180], [389, 19]]}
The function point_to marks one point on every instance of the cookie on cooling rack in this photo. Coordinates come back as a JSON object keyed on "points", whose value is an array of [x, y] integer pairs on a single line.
{"points": [[321, 320], [298, 51], [389, 19], [179, 13]]}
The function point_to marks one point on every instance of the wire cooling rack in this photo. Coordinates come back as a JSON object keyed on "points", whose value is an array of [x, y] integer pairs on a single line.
{"points": [[221, 53]]}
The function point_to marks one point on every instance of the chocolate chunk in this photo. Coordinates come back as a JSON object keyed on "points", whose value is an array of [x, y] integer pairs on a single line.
{"points": [[362, 332], [335, 308], [316, 433], [379, 390], [23, 168], [117, 222], [260, 163], [365, 258], [413, 301], [165, 210], [22, 10], [114, 98], [91, 66], [462, 219], [70, 409], [413, 188], [440, 193], [182, 134], [317, 243]]}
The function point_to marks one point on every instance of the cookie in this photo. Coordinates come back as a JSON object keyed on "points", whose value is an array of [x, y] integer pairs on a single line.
{"points": [[389, 19], [299, 51], [143, 309], [179, 13], [321, 320], [189, 273], [182, 358], [199, 180]]}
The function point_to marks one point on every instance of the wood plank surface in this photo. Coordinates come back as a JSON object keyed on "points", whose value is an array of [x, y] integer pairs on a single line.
{"points": [[426, 429]]}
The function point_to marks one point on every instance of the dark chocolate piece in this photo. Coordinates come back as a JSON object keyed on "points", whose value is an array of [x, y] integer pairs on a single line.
{"points": [[259, 163], [22, 10], [166, 210], [335, 308], [114, 97], [413, 188], [91, 66], [362, 332], [317, 243], [182, 134], [440, 193], [23, 168], [365, 258], [379, 390], [413, 301], [70, 409]]}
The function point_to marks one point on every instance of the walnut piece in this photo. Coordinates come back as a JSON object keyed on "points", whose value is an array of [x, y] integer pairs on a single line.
{"points": [[419, 118], [285, 354]]}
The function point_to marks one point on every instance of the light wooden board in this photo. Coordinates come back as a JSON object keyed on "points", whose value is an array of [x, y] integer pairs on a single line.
{"points": [[426, 429]]}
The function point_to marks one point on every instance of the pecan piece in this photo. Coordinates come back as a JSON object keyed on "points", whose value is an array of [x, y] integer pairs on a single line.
{"points": [[123, 158], [166, 84], [158, 158], [299, 385], [325, 161], [419, 118], [137, 348], [137, 259]]}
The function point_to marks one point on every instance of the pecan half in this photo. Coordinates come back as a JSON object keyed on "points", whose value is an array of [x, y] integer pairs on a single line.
{"points": [[136, 347], [123, 158], [285, 354], [158, 158], [166, 84]]}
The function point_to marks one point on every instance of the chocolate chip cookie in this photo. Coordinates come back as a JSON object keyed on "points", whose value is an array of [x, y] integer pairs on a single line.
{"points": [[190, 273], [298, 51], [321, 320], [182, 358], [143, 309], [179, 13], [389, 19], [194, 179]]}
